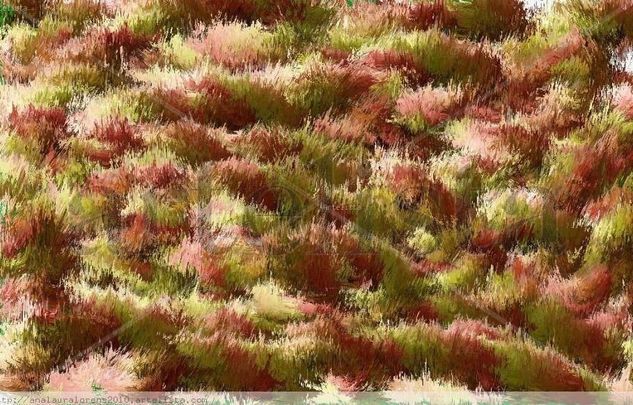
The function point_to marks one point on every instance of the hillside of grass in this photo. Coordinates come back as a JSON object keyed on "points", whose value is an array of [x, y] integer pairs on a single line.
{"points": [[289, 195]]}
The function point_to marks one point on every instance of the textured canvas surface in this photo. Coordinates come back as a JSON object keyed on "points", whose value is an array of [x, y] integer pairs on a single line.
{"points": [[292, 195]]}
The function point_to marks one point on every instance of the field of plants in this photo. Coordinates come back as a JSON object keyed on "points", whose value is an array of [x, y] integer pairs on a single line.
{"points": [[314, 195]]}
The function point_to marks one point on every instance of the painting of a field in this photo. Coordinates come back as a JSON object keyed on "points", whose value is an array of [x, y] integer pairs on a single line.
{"points": [[316, 195]]}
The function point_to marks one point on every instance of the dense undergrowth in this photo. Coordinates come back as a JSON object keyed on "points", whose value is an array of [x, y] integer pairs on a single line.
{"points": [[303, 194]]}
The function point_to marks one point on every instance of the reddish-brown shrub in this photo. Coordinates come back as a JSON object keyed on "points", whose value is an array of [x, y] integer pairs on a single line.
{"points": [[192, 254], [114, 181], [367, 267], [424, 15], [594, 166], [470, 361], [105, 46], [219, 106], [269, 145], [160, 175], [119, 137], [246, 179], [229, 321], [398, 60], [46, 126], [433, 105], [194, 143], [597, 209], [584, 294], [137, 236]]}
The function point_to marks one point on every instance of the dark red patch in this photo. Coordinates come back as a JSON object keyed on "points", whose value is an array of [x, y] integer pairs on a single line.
{"points": [[471, 362], [220, 106], [195, 143], [269, 144], [161, 176], [119, 138], [246, 179], [46, 126]]}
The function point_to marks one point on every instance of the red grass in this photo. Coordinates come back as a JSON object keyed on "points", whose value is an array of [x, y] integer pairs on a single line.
{"points": [[352, 80], [368, 268], [594, 345], [268, 12], [336, 55], [137, 235], [489, 113], [496, 244], [195, 143], [46, 234], [595, 166], [312, 310], [408, 181], [413, 185], [269, 144], [558, 374], [15, 293], [319, 254], [143, 268], [377, 16], [528, 78], [344, 83], [525, 275], [361, 359], [432, 104], [530, 145], [597, 209], [244, 368], [17, 234], [471, 362], [106, 46], [119, 134], [366, 122], [339, 215], [604, 350], [100, 317], [192, 254], [506, 17], [241, 9], [171, 104], [473, 62], [425, 268], [229, 321], [395, 60], [515, 117], [585, 180], [114, 181], [246, 179], [46, 126], [119, 137], [217, 43], [220, 106], [586, 293], [160, 176], [240, 369], [620, 11], [422, 311], [318, 271], [549, 118], [476, 328], [347, 128], [424, 15]]}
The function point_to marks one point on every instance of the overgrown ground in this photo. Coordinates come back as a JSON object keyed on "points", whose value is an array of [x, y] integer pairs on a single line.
{"points": [[304, 194]]}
